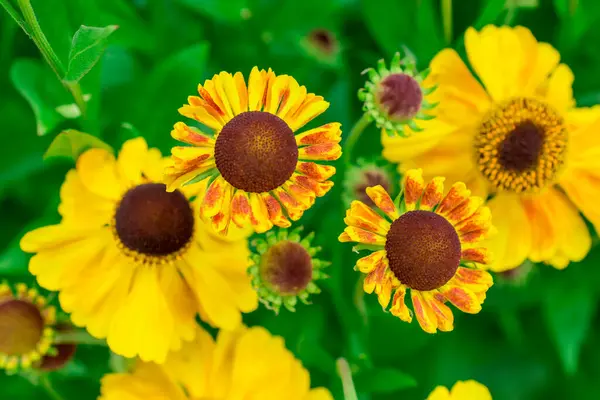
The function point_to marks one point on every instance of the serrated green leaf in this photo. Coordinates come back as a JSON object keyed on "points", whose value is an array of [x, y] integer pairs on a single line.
{"points": [[72, 143], [569, 312], [87, 47], [383, 380], [28, 77]]}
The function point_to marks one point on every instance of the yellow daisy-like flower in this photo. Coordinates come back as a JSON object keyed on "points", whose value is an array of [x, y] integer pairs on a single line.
{"points": [[260, 170], [520, 139], [133, 263], [432, 246], [462, 390], [27, 328], [248, 363]]}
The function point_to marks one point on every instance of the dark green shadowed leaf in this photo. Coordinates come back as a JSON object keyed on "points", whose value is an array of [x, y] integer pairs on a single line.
{"points": [[29, 78], [72, 143], [383, 380], [569, 312], [224, 11], [88, 45]]}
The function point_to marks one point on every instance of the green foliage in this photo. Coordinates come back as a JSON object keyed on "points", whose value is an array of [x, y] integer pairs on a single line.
{"points": [[536, 338]]}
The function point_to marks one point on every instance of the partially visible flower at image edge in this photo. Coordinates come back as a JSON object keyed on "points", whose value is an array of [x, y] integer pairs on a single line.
{"points": [[132, 262], [517, 138], [428, 244], [248, 363], [462, 390], [260, 170], [285, 268], [27, 328]]}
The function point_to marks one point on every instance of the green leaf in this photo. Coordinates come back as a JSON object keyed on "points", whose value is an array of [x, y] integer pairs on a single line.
{"points": [[569, 312], [29, 78], [72, 143], [224, 11], [88, 45], [383, 380]]}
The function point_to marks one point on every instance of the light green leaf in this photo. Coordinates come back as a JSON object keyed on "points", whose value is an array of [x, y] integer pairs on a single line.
{"points": [[88, 45], [72, 143], [569, 312], [383, 380], [28, 77]]}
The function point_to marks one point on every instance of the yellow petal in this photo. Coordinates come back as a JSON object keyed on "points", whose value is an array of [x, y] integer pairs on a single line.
{"points": [[131, 159], [98, 171]]}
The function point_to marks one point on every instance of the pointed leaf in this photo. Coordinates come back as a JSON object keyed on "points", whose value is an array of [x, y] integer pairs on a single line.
{"points": [[88, 45], [71, 144]]}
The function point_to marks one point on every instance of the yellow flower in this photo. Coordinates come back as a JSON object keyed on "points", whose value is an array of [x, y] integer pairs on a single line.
{"points": [[520, 139], [27, 328], [462, 390], [260, 171], [247, 363], [431, 246], [132, 262]]}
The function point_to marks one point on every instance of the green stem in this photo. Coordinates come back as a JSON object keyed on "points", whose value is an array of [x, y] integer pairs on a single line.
{"points": [[33, 29], [77, 337], [14, 14], [447, 19], [45, 382], [346, 377], [355, 133]]}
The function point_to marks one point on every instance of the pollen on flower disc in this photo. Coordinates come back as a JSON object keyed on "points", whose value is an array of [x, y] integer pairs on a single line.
{"points": [[401, 96], [152, 221], [21, 327], [287, 267], [256, 152], [423, 250]]}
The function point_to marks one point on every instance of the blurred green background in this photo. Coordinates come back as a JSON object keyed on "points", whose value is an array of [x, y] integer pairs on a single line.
{"points": [[537, 336]]}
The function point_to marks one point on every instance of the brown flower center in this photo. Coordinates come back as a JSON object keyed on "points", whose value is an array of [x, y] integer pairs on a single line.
{"points": [[401, 96], [423, 250], [21, 327], [287, 267], [256, 152], [154, 222], [323, 40], [369, 179], [521, 145]]}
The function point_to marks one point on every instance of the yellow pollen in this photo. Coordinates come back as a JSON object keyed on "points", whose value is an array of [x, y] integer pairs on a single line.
{"points": [[521, 145]]}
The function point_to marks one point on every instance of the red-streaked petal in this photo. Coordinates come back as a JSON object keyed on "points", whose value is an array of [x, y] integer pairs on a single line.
{"points": [[473, 236], [240, 208], [344, 237], [368, 263], [213, 198], [399, 308], [474, 276], [214, 89], [221, 220], [315, 171], [323, 151], [433, 194], [328, 133], [191, 135], [303, 195], [462, 298], [382, 199], [375, 277], [362, 216], [413, 188], [312, 107], [260, 218], [201, 115], [423, 311], [274, 210], [479, 255], [293, 208], [443, 314], [480, 220], [363, 236], [464, 210], [277, 92], [317, 188], [456, 195], [384, 290], [210, 102]]}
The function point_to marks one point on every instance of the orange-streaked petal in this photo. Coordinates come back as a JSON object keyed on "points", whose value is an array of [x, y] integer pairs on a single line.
{"points": [[317, 188], [303, 195], [384, 289], [344, 237], [479, 255], [413, 188], [323, 151], [382, 199], [464, 210], [312, 107], [363, 236], [315, 171], [443, 313], [293, 208], [474, 276], [213, 102], [260, 218], [274, 211], [423, 311], [433, 194], [480, 220], [362, 216], [240, 208], [368, 263], [375, 277], [215, 88], [399, 308], [462, 298], [221, 220], [213, 198], [191, 135], [201, 115], [455, 196], [328, 133], [469, 238]]}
